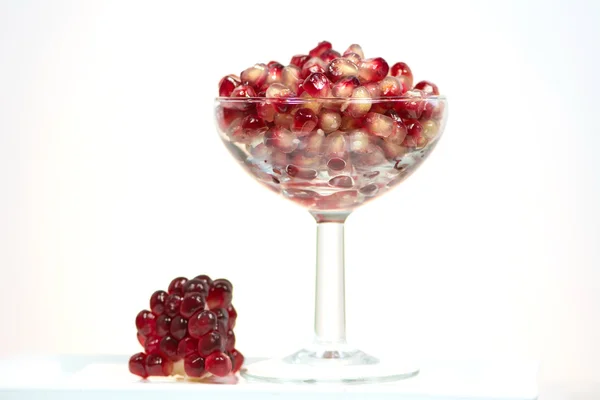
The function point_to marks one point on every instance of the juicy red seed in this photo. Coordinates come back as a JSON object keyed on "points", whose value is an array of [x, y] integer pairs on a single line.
{"points": [[220, 294], [305, 120], [410, 109], [230, 340], [141, 339], [341, 68], [201, 323], [194, 366], [158, 366], [399, 69], [191, 303], [238, 360], [187, 346], [345, 86], [137, 365], [428, 87], [251, 123], [373, 69], [222, 319], [414, 128], [173, 304], [176, 285], [196, 286], [204, 278], [157, 302], [299, 59], [168, 348], [178, 327], [330, 55], [317, 85], [232, 313], [321, 48], [272, 63], [145, 323], [218, 363], [227, 84], [152, 345], [212, 341], [243, 91], [312, 65], [163, 325]]}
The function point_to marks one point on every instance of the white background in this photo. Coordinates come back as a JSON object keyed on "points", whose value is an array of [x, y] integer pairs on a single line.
{"points": [[113, 179]]}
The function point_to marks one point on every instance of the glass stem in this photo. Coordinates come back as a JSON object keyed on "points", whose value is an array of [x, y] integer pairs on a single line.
{"points": [[330, 307]]}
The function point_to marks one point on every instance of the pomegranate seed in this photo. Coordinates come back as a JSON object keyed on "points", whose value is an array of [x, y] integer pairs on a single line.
{"points": [[359, 141], [356, 49], [290, 77], [321, 48], [372, 157], [350, 123], [168, 348], [330, 55], [238, 360], [232, 313], [428, 88], [341, 68], [414, 131], [282, 140], [335, 145], [329, 121], [152, 345], [379, 125], [157, 302], [345, 87], [226, 116], [145, 323], [163, 325], [432, 109], [299, 59], [301, 173], [361, 104], [311, 103], [400, 132], [274, 73], [227, 84], [194, 366], [218, 364], [176, 285], [336, 164], [187, 347], [305, 121], [317, 85], [212, 341], [222, 319], [201, 323], [278, 90], [191, 303], [178, 328], [430, 129], [372, 70], [355, 58], [196, 286], [391, 86], [314, 142], [393, 150], [137, 365], [344, 182], [158, 366], [242, 91], [255, 76], [283, 120], [141, 339], [314, 64], [204, 278], [410, 108], [266, 111], [249, 128], [402, 71], [172, 304], [374, 89], [230, 340]]}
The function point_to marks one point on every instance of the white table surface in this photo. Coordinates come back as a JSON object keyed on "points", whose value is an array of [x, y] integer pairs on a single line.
{"points": [[106, 377]]}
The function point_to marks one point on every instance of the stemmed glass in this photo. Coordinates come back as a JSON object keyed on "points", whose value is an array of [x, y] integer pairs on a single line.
{"points": [[357, 150]]}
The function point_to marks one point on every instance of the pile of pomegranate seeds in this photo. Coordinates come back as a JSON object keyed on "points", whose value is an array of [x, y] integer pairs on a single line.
{"points": [[188, 331], [329, 130]]}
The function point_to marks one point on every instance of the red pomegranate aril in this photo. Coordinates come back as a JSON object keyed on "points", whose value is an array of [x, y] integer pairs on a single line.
{"points": [[218, 364], [255, 76], [321, 48], [341, 68], [152, 345], [237, 360], [197, 285], [372, 70], [314, 64], [299, 60], [290, 77], [163, 325], [145, 323], [410, 108], [402, 71], [266, 111], [430, 89], [204, 278], [194, 366], [179, 327], [168, 348], [274, 74], [430, 129], [141, 339], [314, 142], [379, 125], [212, 341], [359, 104], [305, 121], [230, 340], [359, 141], [176, 285], [191, 303], [329, 121], [335, 145], [242, 91], [355, 58], [330, 55], [227, 84], [232, 313], [187, 346], [414, 130], [311, 103], [356, 49], [278, 91], [283, 120], [284, 141], [391, 86], [345, 87], [374, 89], [201, 323], [222, 319], [172, 304], [350, 123], [227, 115], [157, 302], [400, 132], [156, 365], [137, 365], [317, 85]]}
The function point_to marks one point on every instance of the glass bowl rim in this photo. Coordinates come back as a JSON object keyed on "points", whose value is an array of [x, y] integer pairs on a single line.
{"points": [[303, 100]]}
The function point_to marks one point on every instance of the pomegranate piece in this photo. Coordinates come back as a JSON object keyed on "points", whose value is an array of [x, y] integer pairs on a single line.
{"points": [[330, 55], [232, 313], [321, 48], [220, 294], [414, 131], [176, 285], [290, 77], [305, 121], [299, 59], [141, 339], [222, 319], [230, 340], [350, 123], [314, 64], [201, 323], [410, 108], [172, 304], [237, 359], [430, 129], [163, 325], [194, 366], [355, 49], [340, 68], [212, 341], [266, 111], [218, 364], [372, 70], [227, 84], [282, 140], [379, 125], [283, 120], [255, 76], [374, 89], [156, 365], [243, 91], [278, 91], [311, 103], [137, 365], [329, 121], [145, 323], [402, 71], [360, 104], [152, 345], [178, 328], [359, 141], [274, 74], [191, 303], [345, 86], [391, 86], [430, 89], [187, 347], [157, 302], [400, 132], [335, 145], [355, 58], [226, 116], [317, 85], [196, 285], [168, 348]]}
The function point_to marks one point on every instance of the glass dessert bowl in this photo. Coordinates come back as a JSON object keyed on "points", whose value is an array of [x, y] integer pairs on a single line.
{"points": [[330, 133]]}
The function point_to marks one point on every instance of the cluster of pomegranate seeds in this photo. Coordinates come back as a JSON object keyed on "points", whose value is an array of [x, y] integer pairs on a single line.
{"points": [[330, 124], [188, 330]]}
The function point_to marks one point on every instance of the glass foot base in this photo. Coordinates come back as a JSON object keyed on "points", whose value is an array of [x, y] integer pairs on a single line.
{"points": [[316, 366]]}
